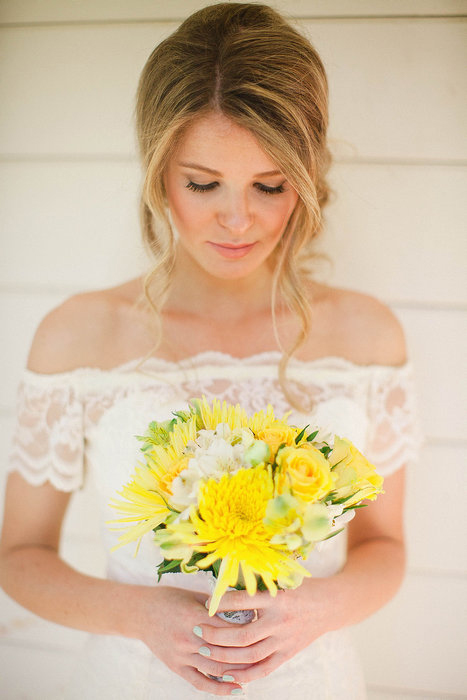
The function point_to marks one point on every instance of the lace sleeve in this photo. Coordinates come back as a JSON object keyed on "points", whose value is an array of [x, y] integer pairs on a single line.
{"points": [[48, 442], [395, 437]]}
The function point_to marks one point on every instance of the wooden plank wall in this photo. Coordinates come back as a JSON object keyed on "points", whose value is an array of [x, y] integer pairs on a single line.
{"points": [[68, 204]]}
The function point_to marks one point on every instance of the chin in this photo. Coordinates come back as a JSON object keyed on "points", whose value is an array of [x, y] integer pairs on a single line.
{"points": [[236, 270]]}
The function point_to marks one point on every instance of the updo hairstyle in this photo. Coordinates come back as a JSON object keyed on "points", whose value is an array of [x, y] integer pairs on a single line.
{"points": [[247, 62]]}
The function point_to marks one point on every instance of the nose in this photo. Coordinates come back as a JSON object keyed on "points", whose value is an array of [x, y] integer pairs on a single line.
{"points": [[235, 213]]}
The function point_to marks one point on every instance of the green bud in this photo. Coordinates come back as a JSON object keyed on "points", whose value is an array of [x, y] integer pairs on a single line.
{"points": [[316, 523], [257, 453]]}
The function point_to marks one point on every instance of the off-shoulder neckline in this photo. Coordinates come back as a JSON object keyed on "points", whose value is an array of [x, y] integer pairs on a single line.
{"points": [[220, 359]]}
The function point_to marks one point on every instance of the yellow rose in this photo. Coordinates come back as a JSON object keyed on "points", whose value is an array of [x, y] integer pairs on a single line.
{"points": [[277, 433], [305, 471], [354, 473]]}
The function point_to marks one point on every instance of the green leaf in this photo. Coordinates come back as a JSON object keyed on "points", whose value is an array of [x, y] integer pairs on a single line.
{"points": [[301, 434], [184, 416], [340, 501], [325, 450], [168, 565], [333, 534], [312, 436], [216, 566], [337, 463]]}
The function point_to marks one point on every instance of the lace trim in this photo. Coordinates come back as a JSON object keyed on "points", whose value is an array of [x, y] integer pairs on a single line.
{"points": [[395, 434], [48, 442], [56, 412], [207, 364]]}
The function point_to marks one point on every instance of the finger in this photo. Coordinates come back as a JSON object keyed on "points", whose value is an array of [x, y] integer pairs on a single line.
{"points": [[254, 672], [239, 655], [207, 685], [214, 668], [234, 635]]}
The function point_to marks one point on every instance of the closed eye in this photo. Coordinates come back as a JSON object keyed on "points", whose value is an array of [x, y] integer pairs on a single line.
{"points": [[270, 190], [195, 187], [201, 188]]}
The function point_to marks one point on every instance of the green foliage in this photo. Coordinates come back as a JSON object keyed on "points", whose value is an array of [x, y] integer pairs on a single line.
{"points": [[173, 565], [301, 434]]}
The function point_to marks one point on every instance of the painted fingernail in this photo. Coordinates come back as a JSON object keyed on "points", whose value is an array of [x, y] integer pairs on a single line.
{"points": [[237, 691], [206, 605], [204, 651], [228, 679], [198, 631]]}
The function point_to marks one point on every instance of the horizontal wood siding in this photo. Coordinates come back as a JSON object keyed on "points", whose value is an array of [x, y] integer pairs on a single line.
{"points": [[69, 210]]}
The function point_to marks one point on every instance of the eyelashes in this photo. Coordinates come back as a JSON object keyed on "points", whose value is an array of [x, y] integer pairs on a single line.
{"points": [[194, 187]]}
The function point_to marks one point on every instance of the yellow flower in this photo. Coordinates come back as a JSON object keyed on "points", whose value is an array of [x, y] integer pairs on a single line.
{"points": [[277, 434], [167, 462], [144, 505], [229, 526], [356, 476], [210, 417], [149, 494], [271, 430], [305, 471]]}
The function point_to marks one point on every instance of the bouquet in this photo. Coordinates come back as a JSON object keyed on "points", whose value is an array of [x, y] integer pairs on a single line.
{"points": [[245, 497]]}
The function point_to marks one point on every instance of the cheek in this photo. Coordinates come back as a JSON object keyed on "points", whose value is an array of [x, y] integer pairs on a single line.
{"points": [[278, 217], [188, 213]]}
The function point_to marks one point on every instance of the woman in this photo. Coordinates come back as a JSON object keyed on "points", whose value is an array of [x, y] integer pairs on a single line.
{"points": [[232, 120]]}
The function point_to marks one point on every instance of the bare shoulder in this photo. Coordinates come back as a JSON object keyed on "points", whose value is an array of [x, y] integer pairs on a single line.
{"points": [[367, 330], [84, 331]]}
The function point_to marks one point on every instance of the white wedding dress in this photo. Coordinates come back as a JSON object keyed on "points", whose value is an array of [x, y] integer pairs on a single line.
{"points": [[85, 420]]}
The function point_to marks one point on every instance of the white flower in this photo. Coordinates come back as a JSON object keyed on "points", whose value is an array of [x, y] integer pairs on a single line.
{"points": [[344, 519], [213, 455], [325, 436], [339, 518], [335, 510], [223, 430]]}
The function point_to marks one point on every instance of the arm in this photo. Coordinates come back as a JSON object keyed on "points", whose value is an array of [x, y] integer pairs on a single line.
{"points": [[32, 572]]}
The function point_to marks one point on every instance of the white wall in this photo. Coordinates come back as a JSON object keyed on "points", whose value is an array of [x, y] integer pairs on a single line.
{"points": [[68, 206]]}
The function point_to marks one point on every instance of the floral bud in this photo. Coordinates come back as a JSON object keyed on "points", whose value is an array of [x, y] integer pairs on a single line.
{"points": [[257, 453]]}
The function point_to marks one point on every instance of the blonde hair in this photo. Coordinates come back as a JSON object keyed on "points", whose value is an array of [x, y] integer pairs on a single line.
{"points": [[247, 62]]}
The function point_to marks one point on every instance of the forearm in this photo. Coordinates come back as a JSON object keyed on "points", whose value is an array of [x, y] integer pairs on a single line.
{"points": [[370, 578], [40, 581]]}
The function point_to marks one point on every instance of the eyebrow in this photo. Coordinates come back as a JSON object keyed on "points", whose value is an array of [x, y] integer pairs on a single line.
{"points": [[268, 173]]}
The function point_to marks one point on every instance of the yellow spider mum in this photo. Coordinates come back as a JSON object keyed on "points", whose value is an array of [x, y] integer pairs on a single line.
{"points": [[210, 417], [148, 495], [229, 526], [144, 505]]}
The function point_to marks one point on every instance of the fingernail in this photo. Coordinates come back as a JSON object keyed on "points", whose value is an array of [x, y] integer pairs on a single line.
{"points": [[237, 691], [206, 605], [198, 631], [204, 651], [228, 679]]}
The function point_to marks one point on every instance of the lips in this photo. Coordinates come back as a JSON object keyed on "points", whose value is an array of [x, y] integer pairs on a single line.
{"points": [[232, 250]]}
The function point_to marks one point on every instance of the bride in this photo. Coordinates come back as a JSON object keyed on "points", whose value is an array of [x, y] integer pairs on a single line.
{"points": [[232, 116]]}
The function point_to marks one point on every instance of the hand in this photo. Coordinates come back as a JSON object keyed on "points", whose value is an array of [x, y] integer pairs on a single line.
{"points": [[286, 624], [169, 619]]}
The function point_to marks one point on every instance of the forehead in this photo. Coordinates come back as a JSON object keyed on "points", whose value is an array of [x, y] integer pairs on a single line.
{"points": [[215, 140]]}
